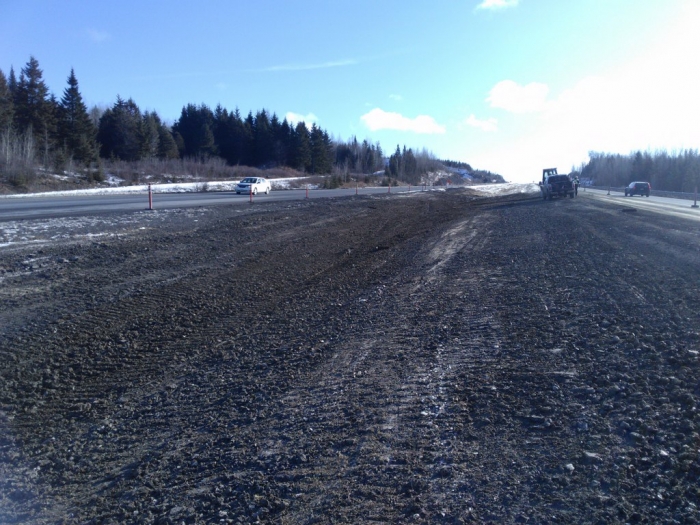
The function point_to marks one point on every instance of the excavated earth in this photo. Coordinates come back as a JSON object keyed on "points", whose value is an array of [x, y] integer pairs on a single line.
{"points": [[432, 358]]}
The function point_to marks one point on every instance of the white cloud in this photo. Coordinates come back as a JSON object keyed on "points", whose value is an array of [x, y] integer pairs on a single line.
{"points": [[98, 36], [490, 124], [515, 98], [379, 119], [497, 4], [295, 118], [397, 98], [648, 103]]}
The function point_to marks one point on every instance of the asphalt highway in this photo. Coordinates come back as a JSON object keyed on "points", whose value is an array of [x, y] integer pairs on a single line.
{"points": [[46, 206], [666, 205]]}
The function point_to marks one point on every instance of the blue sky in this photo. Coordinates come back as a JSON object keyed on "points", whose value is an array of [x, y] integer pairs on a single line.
{"points": [[510, 86]]}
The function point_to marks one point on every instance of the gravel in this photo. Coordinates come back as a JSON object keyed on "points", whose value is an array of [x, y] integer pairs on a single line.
{"points": [[438, 357]]}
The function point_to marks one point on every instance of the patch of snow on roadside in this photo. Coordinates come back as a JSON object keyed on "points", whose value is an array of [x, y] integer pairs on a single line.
{"points": [[113, 180], [511, 188], [77, 229], [184, 187]]}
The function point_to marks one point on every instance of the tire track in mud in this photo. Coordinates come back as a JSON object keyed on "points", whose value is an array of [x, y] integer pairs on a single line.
{"points": [[378, 398]]}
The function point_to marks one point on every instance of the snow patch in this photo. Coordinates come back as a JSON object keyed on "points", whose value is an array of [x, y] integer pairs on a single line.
{"points": [[176, 187], [510, 188]]}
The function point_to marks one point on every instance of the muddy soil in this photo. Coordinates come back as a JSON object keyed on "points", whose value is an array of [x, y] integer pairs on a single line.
{"points": [[433, 358]]}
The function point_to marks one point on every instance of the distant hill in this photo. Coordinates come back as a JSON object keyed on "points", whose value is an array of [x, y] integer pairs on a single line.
{"points": [[476, 176], [464, 170]]}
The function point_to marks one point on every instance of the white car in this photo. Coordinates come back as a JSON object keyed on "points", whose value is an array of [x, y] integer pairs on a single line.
{"points": [[253, 185]]}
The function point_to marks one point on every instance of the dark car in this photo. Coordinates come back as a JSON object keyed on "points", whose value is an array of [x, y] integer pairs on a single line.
{"points": [[554, 184], [638, 188]]}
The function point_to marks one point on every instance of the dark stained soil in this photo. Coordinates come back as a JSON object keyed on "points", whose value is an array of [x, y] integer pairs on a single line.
{"points": [[434, 358]]}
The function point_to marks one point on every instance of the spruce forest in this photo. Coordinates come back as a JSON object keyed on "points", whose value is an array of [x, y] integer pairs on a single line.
{"points": [[37, 130]]}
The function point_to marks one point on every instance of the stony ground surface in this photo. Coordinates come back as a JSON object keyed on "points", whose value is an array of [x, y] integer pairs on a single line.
{"points": [[438, 358]]}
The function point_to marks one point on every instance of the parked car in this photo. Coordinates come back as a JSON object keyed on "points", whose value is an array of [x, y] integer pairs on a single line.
{"points": [[253, 185], [638, 188]]}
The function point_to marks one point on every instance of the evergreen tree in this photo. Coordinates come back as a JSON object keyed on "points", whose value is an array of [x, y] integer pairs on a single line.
{"points": [[12, 82], [248, 146], [280, 139], [221, 132], [196, 127], [156, 139], [642, 167], [321, 151], [368, 161], [179, 142], [31, 102], [149, 134], [34, 110], [301, 148], [232, 136], [6, 104], [262, 139], [410, 167], [76, 131], [344, 156], [394, 167], [120, 132], [224, 134], [327, 151], [378, 157], [50, 131], [356, 155], [242, 138], [167, 147]]}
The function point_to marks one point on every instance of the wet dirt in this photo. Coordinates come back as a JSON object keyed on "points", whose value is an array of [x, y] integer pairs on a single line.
{"points": [[432, 358]]}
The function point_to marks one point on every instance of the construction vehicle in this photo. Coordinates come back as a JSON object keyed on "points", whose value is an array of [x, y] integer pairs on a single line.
{"points": [[555, 185]]}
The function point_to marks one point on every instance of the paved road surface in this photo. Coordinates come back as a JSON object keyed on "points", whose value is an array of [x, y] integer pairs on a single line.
{"points": [[43, 206], [666, 205]]}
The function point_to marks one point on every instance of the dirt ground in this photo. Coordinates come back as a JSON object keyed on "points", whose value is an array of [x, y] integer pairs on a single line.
{"points": [[433, 358]]}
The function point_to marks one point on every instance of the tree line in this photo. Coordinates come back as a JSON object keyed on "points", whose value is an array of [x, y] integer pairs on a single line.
{"points": [[35, 126], [675, 171]]}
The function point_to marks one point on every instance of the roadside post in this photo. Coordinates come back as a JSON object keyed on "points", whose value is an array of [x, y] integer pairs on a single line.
{"points": [[695, 202], [608, 189], [251, 193], [307, 191], [150, 197]]}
